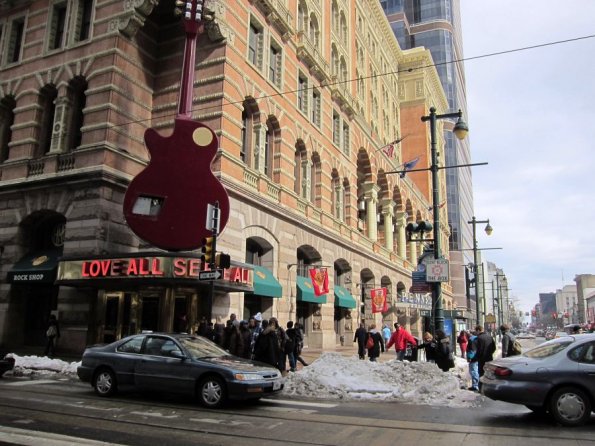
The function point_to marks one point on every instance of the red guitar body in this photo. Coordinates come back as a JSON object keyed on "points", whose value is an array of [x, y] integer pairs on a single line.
{"points": [[180, 184], [166, 204]]}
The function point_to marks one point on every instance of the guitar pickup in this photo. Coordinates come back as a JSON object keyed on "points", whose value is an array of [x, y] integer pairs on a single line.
{"points": [[150, 206]]}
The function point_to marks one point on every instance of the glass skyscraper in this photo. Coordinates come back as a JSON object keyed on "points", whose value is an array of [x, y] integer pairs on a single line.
{"points": [[436, 25]]}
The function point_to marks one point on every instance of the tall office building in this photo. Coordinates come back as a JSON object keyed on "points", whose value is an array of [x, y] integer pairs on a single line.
{"points": [[436, 25]]}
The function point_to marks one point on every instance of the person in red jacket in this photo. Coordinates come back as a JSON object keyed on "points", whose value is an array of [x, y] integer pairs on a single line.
{"points": [[399, 339]]}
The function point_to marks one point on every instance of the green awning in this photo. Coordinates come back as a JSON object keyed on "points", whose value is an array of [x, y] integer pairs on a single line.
{"points": [[305, 291], [35, 267], [343, 298], [265, 284]]}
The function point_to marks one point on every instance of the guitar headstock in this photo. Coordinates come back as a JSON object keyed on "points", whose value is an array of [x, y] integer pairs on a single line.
{"points": [[193, 13]]}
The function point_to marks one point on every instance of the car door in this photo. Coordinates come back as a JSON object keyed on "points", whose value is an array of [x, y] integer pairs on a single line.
{"points": [[125, 359], [587, 367], [162, 369]]}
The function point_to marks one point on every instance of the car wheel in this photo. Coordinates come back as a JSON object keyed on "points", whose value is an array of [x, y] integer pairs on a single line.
{"points": [[211, 392], [105, 382], [570, 406]]}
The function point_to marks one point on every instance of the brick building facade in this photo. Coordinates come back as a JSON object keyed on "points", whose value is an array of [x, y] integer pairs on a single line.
{"points": [[302, 95]]}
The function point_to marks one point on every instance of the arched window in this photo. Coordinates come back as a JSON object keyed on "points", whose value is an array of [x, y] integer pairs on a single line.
{"points": [[249, 116], [314, 31], [78, 100], [343, 28], [302, 171], [7, 106], [335, 16], [316, 176], [47, 104], [302, 16]]}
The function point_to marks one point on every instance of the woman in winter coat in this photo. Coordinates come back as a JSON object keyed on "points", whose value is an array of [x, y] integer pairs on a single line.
{"points": [[429, 346], [444, 359], [376, 337], [463, 340], [267, 348]]}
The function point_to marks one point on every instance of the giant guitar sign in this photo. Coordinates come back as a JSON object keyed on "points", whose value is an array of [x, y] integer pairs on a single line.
{"points": [[166, 204]]}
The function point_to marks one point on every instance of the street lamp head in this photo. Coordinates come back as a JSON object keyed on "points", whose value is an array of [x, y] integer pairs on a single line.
{"points": [[461, 129], [489, 229]]}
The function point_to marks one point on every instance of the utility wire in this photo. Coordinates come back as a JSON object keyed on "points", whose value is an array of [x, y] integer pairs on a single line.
{"points": [[408, 70]]}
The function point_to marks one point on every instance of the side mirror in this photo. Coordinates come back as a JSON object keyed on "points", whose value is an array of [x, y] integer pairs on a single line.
{"points": [[177, 354]]}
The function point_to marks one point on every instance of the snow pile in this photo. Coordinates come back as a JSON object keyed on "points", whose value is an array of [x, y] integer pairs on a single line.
{"points": [[334, 376], [35, 366]]}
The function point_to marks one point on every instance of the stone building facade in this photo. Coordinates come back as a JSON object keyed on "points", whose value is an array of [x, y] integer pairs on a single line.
{"points": [[305, 97]]}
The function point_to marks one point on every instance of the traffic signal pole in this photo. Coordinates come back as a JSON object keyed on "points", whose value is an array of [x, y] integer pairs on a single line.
{"points": [[213, 224]]}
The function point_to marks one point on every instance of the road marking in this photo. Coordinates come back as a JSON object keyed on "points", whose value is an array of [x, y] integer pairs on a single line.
{"points": [[154, 414], [33, 382], [288, 409], [299, 403], [28, 437], [225, 422]]}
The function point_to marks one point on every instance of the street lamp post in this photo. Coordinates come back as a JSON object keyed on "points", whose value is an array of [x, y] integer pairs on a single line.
{"points": [[460, 130], [488, 230]]}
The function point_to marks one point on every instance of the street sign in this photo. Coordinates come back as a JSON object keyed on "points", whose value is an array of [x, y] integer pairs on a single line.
{"points": [[419, 284], [437, 270], [209, 275]]}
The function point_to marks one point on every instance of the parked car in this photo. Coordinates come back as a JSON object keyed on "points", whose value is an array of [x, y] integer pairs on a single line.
{"points": [[177, 363], [556, 377]]}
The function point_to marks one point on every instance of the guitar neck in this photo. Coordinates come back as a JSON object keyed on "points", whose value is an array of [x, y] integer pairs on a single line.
{"points": [[192, 27], [187, 81]]}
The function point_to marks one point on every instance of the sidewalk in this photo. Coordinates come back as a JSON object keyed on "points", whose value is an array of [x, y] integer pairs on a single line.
{"points": [[311, 354]]}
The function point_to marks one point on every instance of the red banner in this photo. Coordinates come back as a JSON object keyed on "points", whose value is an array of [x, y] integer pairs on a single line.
{"points": [[378, 297], [319, 278]]}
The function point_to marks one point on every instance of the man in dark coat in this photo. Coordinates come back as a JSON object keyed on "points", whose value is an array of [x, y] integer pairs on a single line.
{"points": [[485, 348], [267, 347], [361, 335]]}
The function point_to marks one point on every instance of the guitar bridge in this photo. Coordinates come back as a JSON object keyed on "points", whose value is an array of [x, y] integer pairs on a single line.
{"points": [[149, 206]]}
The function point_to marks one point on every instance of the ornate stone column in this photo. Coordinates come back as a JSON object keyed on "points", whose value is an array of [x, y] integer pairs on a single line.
{"points": [[371, 199], [388, 211], [401, 221]]}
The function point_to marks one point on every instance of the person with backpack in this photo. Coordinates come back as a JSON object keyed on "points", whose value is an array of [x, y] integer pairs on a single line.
{"points": [[444, 356], [510, 345], [374, 343], [473, 363]]}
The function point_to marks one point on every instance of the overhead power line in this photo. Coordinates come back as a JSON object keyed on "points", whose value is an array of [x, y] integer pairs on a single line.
{"points": [[408, 70]]}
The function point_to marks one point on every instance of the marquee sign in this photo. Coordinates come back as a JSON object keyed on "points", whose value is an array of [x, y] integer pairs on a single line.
{"points": [[147, 267]]}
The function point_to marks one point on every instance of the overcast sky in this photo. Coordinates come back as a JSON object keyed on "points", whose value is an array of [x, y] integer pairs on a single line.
{"points": [[532, 118]]}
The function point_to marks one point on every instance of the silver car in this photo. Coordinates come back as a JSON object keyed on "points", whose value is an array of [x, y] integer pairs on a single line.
{"points": [[556, 377], [177, 363]]}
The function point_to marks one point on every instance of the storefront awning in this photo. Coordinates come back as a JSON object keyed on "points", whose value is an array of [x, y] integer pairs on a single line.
{"points": [[35, 267], [265, 284], [343, 298], [305, 291]]}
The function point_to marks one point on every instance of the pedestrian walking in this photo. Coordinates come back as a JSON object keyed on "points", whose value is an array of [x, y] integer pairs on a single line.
{"points": [[52, 334], [266, 348], [386, 333], [376, 345], [246, 338], [507, 341], [255, 327], [282, 340], [444, 356], [473, 363], [429, 346], [463, 340], [485, 348], [400, 338], [299, 344], [361, 335], [290, 344], [232, 338]]}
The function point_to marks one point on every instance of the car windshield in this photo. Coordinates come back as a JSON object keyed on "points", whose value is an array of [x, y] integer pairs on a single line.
{"points": [[199, 347], [549, 348]]}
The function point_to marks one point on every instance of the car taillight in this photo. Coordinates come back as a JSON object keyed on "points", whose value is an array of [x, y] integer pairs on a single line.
{"points": [[502, 371]]}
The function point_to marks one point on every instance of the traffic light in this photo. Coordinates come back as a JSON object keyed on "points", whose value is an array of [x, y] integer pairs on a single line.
{"points": [[222, 260], [207, 250]]}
